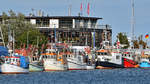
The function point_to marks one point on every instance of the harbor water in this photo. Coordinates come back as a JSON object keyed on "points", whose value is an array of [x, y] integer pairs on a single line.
{"points": [[103, 76]]}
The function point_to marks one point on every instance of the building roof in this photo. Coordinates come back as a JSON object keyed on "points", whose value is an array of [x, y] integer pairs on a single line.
{"points": [[62, 17]]}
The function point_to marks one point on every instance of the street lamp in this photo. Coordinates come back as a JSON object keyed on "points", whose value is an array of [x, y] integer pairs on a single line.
{"points": [[28, 39]]}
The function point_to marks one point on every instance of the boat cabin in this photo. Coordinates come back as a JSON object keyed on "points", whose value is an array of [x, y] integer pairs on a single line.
{"points": [[12, 60]]}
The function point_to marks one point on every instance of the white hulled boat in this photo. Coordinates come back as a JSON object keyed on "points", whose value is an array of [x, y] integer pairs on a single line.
{"points": [[35, 63], [15, 65], [54, 61], [77, 60], [108, 59]]}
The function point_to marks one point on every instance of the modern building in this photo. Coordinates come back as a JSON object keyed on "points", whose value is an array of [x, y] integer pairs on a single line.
{"points": [[77, 30]]}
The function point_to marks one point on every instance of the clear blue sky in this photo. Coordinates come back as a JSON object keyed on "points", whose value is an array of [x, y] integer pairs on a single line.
{"points": [[117, 13]]}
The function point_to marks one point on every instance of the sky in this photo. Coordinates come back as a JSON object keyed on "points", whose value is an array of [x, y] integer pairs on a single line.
{"points": [[116, 13]]}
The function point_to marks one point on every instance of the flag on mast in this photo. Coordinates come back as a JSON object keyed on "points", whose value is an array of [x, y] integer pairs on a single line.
{"points": [[81, 9], [146, 36], [88, 9]]}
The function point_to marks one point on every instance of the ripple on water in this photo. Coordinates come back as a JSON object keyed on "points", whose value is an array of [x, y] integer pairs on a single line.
{"points": [[103, 76]]}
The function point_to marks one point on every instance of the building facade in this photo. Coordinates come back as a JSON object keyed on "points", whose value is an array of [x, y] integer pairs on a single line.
{"points": [[77, 30]]}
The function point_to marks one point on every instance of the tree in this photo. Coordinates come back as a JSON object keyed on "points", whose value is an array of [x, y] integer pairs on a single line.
{"points": [[139, 42], [33, 36], [18, 24], [123, 40], [136, 44]]}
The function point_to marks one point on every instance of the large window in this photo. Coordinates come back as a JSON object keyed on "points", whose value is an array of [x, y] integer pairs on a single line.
{"points": [[42, 22], [65, 23]]}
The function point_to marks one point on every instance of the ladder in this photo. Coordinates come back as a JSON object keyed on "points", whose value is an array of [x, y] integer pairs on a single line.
{"points": [[2, 43]]}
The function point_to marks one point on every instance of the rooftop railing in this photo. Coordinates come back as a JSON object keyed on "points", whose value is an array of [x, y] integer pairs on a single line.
{"points": [[75, 26]]}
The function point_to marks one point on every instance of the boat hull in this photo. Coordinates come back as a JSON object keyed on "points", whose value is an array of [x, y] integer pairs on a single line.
{"points": [[144, 65], [54, 66], [12, 69], [35, 68], [90, 67], [72, 65], [129, 63], [108, 65]]}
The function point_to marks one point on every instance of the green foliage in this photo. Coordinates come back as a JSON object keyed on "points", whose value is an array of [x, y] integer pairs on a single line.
{"points": [[123, 40], [20, 26], [34, 37]]}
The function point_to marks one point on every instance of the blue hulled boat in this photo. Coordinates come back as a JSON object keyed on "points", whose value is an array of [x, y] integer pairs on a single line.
{"points": [[145, 64]]}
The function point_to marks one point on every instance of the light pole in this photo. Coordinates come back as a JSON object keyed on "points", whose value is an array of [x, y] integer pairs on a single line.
{"points": [[28, 39], [55, 33], [2, 37]]}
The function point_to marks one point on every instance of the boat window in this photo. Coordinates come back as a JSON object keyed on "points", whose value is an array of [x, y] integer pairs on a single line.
{"points": [[33, 58], [99, 53], [9, 60], [6, 59], [48, 56], [79, 53], [36, 58], [13, 60], [52, 56], [105, 53], [117, 57]]}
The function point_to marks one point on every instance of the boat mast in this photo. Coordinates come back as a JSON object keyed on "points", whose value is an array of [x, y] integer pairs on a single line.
{"points": [[2, 38], [13, 41], [55, 33]]}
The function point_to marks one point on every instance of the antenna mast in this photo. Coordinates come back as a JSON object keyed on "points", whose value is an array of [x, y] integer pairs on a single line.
{"points": [[132, 21], [69, 10]]}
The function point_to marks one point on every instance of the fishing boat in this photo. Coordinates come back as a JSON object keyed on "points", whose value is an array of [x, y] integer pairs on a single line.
{"points": [[129, 59], [145, 59], [90, 58], [15, 64], [90, 64], [53, 61], [36, 63], [144, 64], [108, 59], [77, 60], [3, 52]]}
